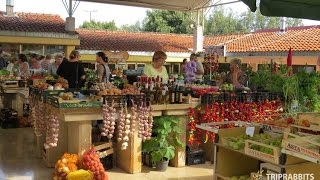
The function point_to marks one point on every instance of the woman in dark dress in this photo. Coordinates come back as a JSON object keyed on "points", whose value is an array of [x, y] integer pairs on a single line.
{"points": [[72, 70]]}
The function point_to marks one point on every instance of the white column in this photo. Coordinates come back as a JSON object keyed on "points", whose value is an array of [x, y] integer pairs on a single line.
{"points": [[198, 33]]}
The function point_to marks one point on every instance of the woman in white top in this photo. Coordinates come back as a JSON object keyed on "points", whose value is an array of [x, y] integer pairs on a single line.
{"points": [[24, 65], [103, 70], [10, 66]]}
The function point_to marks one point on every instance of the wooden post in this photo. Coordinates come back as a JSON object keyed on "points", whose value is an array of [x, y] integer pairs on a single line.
{"points": [[79, 137], [130, 160], [179, 159]]}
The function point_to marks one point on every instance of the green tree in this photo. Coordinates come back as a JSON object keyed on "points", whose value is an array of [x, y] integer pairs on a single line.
{"points": [[226, 21], [222, 21], [167, 22], [132, 28], [99, 25], [254, 21]]}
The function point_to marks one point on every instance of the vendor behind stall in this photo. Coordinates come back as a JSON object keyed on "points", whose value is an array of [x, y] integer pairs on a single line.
{"points": [[236, 76], [103, 70], [72, 70], [156, 68]]}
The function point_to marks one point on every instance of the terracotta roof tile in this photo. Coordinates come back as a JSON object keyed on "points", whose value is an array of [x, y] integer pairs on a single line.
{"points": [[133, 41], [299, 40], [305, 38], [32, 22]]}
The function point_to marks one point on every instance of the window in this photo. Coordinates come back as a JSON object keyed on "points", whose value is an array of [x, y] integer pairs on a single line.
{"points": [[53, 49], [10, 50], [112, 66], [297, 68], [175, 68], [140, 66], [168, 67], [88, 65], [131, 66], [30, 48]]}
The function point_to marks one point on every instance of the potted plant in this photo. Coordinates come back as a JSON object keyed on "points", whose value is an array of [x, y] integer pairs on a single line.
{"points": [[163, 145]]}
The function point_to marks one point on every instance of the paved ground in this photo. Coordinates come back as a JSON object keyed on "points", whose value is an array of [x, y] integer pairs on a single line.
{"points": [[18, 161]]}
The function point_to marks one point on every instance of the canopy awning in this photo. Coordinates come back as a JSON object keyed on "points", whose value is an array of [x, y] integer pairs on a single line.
{"points": [[306, 9], [177, 5]]}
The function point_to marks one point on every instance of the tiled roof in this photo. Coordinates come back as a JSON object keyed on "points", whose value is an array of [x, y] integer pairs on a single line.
{"points": [[133, 41], [299, 40], [32, 22], [305, 38]]}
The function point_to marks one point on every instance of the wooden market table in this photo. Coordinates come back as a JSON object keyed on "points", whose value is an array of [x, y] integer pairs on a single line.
{"points": [[75, 135]]}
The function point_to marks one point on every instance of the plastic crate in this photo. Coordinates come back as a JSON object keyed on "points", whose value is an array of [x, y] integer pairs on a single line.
{"points": [[195, 157]]}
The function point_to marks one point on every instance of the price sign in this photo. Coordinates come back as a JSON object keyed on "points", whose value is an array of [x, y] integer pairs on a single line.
{"points": [[250, 131]]}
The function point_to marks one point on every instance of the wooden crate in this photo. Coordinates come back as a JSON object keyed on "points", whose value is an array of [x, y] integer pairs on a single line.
{"points": [[104, 149], [305, 146], [272, 158], [313, 118], [67, 104], [302, 145]]}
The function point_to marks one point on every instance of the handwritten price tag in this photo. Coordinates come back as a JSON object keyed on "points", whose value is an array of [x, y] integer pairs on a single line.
{"points": [[250, 131]]}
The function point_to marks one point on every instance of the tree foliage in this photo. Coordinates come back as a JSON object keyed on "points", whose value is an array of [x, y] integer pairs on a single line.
{"points": [[111, 25], [167, 22], [132, 28], [222, 21]]}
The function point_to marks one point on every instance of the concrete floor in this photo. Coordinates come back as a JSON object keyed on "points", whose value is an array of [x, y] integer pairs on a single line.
{"points": [[18, 162]]}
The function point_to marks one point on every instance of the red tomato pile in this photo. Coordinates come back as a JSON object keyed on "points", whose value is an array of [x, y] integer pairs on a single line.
{"points": [[91, 162]]}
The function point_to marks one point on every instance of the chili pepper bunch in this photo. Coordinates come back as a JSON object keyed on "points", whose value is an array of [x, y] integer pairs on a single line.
{"points": [[229, 111]]}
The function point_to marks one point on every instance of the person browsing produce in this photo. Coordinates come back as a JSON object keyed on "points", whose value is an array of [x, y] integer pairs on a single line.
{"points": [[103, 70], [72, 70], [53, 67], [24, 65], [156, 68], [199, 67], [236, 76]]}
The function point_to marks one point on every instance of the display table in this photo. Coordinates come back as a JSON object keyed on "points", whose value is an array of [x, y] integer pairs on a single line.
{"points": [[14, 97], [229, 162], [75, 135]]}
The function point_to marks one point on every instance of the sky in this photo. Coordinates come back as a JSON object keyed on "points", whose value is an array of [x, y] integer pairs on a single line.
{"points": [[103, 12]]}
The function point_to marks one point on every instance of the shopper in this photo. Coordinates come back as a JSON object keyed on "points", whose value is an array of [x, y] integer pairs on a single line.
{"points": [[103, 70], [236, 76], [35, 63], [182, 67], [10, 66], [45, 63], [24, 65], [199, 68], [156, 68], [3, 63], [72, 70], [16, 68], [53, 67]]}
